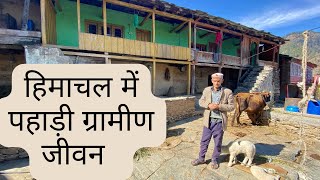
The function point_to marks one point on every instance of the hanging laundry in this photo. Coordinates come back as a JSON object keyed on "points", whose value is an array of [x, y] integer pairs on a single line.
{"points": [[219, 38]]}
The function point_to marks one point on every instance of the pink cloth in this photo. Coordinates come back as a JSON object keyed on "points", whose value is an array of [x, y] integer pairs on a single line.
{"points": [[218, 38]]}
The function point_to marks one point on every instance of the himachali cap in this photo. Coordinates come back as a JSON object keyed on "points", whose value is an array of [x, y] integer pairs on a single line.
{"points": [[220, 75]]}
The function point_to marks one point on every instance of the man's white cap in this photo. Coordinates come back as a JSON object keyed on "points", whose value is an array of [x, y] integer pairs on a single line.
{"points": [[220, 75]]}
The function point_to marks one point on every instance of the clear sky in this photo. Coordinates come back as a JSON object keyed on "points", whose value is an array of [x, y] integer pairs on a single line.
{"points": [[279, 17]]}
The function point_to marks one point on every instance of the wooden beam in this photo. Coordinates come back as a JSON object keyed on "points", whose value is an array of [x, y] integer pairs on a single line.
{"points": [[79, 20], [168, 61], [206, 34], [145, 19], [25, 15], [58, 5], [141, 8], [43, 21], [178, 27], [198, 19], [51, 4], [72, 53], [178, 31]]}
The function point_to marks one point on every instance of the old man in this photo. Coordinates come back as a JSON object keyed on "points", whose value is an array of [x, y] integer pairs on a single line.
{"points": [[217, 101]]}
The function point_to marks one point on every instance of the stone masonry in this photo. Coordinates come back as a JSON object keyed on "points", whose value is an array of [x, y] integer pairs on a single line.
{"points": [[12, 153], [180, 107], [262, 79]]}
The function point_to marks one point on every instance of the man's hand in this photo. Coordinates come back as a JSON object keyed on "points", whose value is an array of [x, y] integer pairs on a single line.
{"points": [[212, 106]]}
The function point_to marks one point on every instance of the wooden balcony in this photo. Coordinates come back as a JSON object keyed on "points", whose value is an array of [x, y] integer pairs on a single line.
{"points": [[116, 45], [213, 58], [231, 60]]}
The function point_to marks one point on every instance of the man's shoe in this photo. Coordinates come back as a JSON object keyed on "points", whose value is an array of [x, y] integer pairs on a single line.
{"points": [[197, 162], [214, 165]]}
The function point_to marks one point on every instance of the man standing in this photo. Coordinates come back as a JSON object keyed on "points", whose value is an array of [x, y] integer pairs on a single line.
{"points": [[217, 101]]}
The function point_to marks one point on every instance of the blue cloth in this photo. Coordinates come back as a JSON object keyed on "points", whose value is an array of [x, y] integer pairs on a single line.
{"points": [[215, 98]]}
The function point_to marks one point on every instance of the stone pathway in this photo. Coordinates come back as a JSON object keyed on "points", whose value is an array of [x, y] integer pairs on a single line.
{"points": [[277, 142], [172, 159]]}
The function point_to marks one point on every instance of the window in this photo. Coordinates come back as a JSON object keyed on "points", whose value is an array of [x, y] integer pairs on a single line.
{"points": [[200, 47], [94, 27]]}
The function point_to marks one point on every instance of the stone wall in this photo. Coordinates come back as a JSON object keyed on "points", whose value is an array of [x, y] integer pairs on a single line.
{"points": [[180, 107], [12, 153], [268, 81]]}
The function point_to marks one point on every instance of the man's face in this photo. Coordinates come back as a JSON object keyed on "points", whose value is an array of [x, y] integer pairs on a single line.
{"points": [[216, 81]]}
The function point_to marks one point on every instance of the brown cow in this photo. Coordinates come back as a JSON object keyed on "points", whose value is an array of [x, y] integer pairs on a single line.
{"points": [[252, 103]]}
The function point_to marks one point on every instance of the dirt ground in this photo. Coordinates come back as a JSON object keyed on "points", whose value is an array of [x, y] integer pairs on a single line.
{"points": [[279, 146]]}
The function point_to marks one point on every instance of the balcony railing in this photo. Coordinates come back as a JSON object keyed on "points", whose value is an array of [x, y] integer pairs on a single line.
{"points": [[116, 45]]}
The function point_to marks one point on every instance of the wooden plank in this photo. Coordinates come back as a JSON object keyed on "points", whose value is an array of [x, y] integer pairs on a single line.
{"points": [[114, 46], [107, 42], [131, 47], [126, 47], [143, 48], [178, 27], [43, 21], [145, 19], [148, 49], [137, 47], [78, 15], [100, 43], [72, 53], [120, 45]]}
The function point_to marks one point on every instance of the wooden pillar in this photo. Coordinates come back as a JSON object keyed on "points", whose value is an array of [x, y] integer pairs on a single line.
{"points": [[189, 79], [220, 53], [43, 22], [241, 50], [79, 20], [258, 47], [25, 16], [104, 12], [193, 79], [189, 38], [104, 17], [154, 52], [195, 39], [153, 33], [274, 54], [239, 76], [154, 77]]}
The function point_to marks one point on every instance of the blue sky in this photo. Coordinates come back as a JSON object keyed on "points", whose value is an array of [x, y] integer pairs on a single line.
{"points": [[279, 17]]}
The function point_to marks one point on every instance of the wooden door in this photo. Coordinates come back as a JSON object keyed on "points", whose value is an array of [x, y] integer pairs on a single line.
{"points": [[143, 35]]}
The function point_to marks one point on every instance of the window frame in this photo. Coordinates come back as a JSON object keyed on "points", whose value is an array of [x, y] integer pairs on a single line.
{"points": [[99, 30]]}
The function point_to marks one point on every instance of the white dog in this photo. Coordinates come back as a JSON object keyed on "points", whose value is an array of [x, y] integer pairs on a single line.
{"points": [[240, 147]]}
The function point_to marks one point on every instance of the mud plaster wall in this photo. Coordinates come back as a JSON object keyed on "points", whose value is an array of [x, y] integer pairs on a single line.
{"points": [[202, 74]]}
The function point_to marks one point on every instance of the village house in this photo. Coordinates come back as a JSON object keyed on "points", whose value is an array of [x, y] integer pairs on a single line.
{"points": [[181, 47], [291, 75]]}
